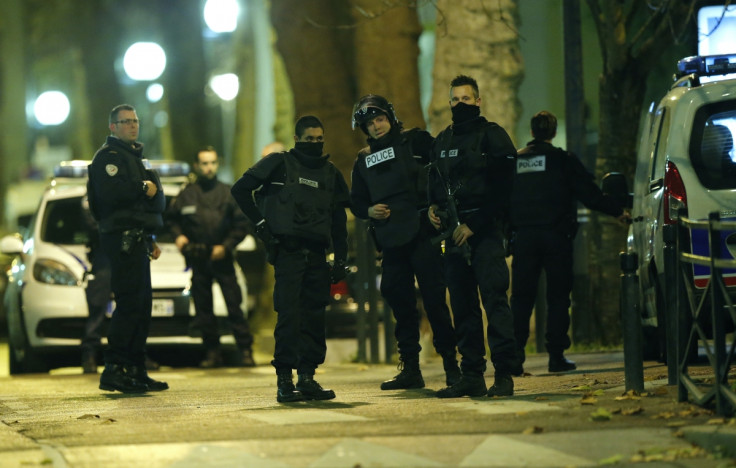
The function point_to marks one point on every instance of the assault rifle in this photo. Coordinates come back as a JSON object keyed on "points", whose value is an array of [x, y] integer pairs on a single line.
{"points": [[450, 221]]}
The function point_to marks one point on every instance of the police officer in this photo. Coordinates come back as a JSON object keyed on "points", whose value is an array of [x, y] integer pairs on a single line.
{"points": [[299, 210], [547, 182], [207, 225], [127, 202], [97, 292], [389, 187], [472, 168]]}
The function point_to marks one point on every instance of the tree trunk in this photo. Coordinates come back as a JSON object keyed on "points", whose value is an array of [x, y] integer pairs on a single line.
{"points": [[632, 38], [184, 75], [394, 74], [479, 39], [318, 59]]}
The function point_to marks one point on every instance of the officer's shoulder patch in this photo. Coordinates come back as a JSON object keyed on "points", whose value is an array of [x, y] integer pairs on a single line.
{"points": [[111, 169]]}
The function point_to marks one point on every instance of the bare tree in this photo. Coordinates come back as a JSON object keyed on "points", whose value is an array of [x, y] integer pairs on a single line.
{"points": [[478, 38], [335, 51], [632, 36]]}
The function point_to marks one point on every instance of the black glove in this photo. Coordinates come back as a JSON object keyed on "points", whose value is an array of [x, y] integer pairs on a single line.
{"points": [[269, 241], [338, 272]]}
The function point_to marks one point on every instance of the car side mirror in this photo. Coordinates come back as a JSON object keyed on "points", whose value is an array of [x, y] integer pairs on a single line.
{"points": [[614, 185]]}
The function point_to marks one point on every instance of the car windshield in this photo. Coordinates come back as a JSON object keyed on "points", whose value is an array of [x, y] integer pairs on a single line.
{"points": [[66, 222], [712, 149]]}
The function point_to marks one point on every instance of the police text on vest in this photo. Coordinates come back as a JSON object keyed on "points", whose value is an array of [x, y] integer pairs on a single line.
{"points": [[379, 157]]}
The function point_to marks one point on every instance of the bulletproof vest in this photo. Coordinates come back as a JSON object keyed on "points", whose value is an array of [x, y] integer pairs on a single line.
{"points": [[541, 195], [463, 165], [393, 178], [303, 206]]}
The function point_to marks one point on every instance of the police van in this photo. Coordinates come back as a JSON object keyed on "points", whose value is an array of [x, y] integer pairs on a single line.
{"points": [[685, 160], [45, 297]]}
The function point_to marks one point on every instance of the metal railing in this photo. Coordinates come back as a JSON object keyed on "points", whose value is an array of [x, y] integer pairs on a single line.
{"points": [[689, 311]]}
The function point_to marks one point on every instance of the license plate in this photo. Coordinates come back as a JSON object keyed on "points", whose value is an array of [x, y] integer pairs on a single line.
{"points": [[163, 308]]}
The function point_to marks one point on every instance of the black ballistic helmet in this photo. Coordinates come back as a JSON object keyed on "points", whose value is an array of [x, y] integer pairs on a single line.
{"points": [[370, 106]]}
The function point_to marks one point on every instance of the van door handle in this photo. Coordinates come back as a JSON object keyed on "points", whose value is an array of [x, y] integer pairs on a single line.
{"points": [[656, 185]]}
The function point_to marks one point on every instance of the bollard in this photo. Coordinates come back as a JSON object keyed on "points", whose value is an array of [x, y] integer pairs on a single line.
{"points": [[631, 323]]}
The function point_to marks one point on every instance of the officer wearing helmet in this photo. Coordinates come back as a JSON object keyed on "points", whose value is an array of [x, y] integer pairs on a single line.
{"points": [[389, 181]]}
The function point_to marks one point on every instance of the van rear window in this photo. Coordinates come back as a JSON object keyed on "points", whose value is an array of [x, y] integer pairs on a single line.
{"points": [[712, 145]]}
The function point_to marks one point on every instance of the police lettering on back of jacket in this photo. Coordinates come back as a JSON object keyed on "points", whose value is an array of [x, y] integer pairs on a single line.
{"points": [[389, 189], [548, 181]]}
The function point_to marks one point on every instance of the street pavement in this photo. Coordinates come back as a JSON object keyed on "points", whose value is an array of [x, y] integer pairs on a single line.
{"points": [[230, 418]]}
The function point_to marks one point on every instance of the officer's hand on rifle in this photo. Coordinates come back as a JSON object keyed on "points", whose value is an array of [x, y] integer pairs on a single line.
{"points": [[433, 218], [338, 272], [379, 211], [461, 234]]}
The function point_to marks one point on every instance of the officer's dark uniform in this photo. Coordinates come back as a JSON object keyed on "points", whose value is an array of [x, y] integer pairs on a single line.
{"points": [[391, 170], [126, 218], [206, 213], [547, 182], [473, 158], [302, 200], [97, 292]]}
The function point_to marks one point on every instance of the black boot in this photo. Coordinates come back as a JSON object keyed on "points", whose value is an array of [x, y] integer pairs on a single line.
{"points": [[468, 385], [559, 363], [244, 358], [89, 362], [212, 359], [503, 385], [311, 390], [140, 374], [452, 371], [410, 376], [115, 378], [286, 391]]}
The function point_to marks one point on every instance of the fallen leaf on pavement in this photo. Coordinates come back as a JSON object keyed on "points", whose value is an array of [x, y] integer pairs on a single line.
{"points": [[582, 388], [533, 430], [89, 416], [614, 460], [601, 414], [588, 400], [632, 411], [717, 421]]}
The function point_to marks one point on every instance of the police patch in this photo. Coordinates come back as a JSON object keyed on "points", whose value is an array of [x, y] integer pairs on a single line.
{"points": [[111, 169], [189, 209], [379, 157], [311, 183], [535, 164]]}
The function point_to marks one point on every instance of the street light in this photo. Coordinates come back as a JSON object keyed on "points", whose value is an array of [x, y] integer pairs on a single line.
{"points": [[226, 86], [221, 16], [144, 61], [51, 108]]}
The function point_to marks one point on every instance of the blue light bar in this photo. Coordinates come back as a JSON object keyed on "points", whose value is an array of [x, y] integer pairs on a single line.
{"points": [[707, 65], [76, 169], [168, 168]]}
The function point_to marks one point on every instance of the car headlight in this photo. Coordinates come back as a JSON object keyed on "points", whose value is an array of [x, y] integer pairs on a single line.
{"points": [[52, 272]]}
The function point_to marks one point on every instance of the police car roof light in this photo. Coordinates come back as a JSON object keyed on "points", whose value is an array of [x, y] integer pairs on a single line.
{"points": [[75, 169], [707, 65], [168, 168]]}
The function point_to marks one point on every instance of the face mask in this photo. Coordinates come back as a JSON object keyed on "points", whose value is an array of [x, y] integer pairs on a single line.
{"points": [[309, 148], [462, 112]]}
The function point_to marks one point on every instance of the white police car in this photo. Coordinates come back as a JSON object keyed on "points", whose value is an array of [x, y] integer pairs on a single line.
{"points": [[45, 299], [686, 159]]}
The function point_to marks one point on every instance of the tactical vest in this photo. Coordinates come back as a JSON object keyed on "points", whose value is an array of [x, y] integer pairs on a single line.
{"points": [[541, 195], [393, 177], [463, 166], [303, 206]]}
